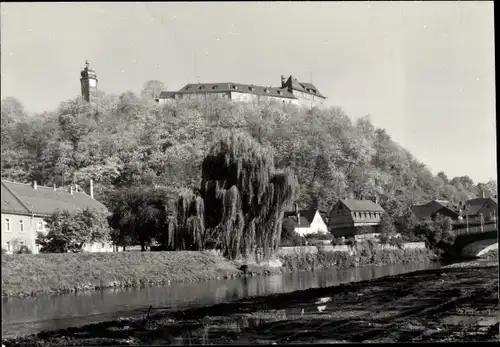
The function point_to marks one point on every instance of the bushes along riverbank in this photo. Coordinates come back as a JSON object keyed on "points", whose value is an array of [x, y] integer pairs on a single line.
{"points": [[365, 253]]}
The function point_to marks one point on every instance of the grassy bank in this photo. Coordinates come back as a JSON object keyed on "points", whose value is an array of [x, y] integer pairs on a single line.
{"points": [[444, 305], [25, 274], [366, 254]]}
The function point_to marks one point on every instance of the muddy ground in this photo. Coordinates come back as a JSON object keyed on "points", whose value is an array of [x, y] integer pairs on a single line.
{"points": [[458, 303]]}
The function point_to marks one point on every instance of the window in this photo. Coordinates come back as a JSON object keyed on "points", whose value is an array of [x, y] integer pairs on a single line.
{"points": [[39, 226], [21, 226], [8, 246], [7, 224]]}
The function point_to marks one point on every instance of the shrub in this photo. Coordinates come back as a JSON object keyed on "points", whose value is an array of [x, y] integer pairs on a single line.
{"points": [[350, 241], [24, 250], [338, 241], [319, 236], [4, 251]]}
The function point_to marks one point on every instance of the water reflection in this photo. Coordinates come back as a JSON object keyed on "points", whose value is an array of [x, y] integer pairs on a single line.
{"points": [[50, 312]]}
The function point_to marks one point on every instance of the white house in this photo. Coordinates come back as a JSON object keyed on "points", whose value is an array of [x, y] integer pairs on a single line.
{"points": [[307, 221]]}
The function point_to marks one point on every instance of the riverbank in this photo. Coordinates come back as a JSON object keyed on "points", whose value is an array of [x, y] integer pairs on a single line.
{"points": [[27, 274], [443, 305], [30, 275]]}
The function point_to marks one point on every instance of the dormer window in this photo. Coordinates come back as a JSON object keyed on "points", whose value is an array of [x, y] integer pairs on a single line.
{"points": [[266, 90], [251, 88], [235, 87], [201, 87], [279, 92], [214, 87]]}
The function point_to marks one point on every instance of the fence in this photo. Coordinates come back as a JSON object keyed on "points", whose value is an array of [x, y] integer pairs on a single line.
{"points": [[475, 229]]}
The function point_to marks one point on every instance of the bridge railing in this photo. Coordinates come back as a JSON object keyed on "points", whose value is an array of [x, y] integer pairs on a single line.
{"points": [[475, 229]]}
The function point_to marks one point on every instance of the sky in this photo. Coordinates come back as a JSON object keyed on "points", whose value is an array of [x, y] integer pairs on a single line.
{"points": [[424, 71]]}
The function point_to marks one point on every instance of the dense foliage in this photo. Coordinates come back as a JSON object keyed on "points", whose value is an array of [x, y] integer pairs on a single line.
{"points": [[69, 232], [130, 141], [142, 155]]}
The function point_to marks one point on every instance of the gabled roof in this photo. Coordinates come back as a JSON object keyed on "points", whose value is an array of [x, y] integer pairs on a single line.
{"points": [[480, 201], [197, 88], [12, 204], [304, 223], [44, 200], [303, 87], [362, 205], [473, 206], [430, 208]]}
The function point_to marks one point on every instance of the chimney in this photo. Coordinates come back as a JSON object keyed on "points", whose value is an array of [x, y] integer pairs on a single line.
{"points": [[376, 199], [92, 189], [482, 193], [55, 187], [71, 189], [34, 185]]}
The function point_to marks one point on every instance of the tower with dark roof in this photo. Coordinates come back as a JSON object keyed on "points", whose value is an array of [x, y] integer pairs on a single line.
{"points": [[88, 83]]}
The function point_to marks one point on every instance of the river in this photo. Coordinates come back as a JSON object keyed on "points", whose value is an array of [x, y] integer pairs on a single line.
{"points": [[22, 316]]}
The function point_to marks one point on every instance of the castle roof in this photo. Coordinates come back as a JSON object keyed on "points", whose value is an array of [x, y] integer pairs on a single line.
{"points": [[224, 87]]}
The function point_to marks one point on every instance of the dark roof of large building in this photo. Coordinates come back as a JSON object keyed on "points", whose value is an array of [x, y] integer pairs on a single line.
{"points": [[304, 87], [167, 95], [430, 208], [20, 198], [362, 205], [197, 88]]}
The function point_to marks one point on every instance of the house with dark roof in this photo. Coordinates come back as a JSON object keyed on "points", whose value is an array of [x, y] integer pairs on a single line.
{"points": [[306, 222], [481, 208], [355, 218], [291, 91], [24, 207], [432, 208]]}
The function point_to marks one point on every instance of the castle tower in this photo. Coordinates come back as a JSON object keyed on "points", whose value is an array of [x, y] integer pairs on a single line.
{"points": [[88, 83]]}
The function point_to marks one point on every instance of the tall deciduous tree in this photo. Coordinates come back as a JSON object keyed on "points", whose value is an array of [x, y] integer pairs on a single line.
{"points": [[152, 89]]}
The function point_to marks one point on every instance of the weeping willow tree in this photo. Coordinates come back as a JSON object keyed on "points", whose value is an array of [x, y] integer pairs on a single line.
{"points": [[187, 230], [241, 201]]}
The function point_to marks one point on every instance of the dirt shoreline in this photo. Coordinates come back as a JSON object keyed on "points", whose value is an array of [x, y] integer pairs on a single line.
{"points": [[446, 304]]}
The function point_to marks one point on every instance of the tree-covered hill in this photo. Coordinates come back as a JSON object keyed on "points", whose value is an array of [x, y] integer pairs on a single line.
{"points": [[131, 141]]}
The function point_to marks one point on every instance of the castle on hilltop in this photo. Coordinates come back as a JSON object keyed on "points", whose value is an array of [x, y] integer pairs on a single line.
{"points": [[291, 92]]}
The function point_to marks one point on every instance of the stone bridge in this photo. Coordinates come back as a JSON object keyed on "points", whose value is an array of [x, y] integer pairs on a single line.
{"points": [[476, 240]]}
